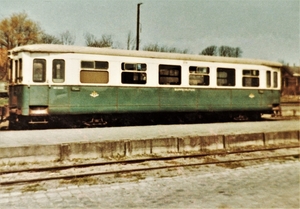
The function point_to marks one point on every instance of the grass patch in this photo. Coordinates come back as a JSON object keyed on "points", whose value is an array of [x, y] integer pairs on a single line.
{"points": [[232, 165], [134, 176], [8, 189], [32, 188], [210, 160], [23, 163], [9, 163], [138, 176], [80, 181]]}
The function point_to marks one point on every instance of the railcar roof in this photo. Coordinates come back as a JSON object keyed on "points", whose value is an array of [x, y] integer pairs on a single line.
{"points": [[54, 48]]}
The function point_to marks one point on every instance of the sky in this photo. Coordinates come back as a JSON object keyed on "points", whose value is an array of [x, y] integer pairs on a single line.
{"points": [[263, 29]]}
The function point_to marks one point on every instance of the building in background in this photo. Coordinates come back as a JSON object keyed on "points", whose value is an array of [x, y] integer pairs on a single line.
{"points": [[290, 80]]}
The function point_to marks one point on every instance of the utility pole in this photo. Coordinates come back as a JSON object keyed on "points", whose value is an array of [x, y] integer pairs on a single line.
{"points": [[138, 27]]}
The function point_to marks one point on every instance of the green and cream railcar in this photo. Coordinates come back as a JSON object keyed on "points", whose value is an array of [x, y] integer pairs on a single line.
{"points": [[57, 80]]}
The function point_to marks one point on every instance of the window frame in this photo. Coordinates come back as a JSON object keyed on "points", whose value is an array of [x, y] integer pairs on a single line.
{"points": [[16, 70], [42, 79], [94, 76], [90, 73], [92, 64], [135, 74], [268, 79], [196, 73], [55, 71], [229, 77], [252, 79], [168, 72], [275, 79], [10, 70], [19, 71]]}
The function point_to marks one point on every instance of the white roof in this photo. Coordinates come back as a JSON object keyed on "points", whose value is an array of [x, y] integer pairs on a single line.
{"points": [[54, 48]]}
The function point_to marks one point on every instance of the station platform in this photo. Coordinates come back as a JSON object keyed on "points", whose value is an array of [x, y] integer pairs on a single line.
{"points": [[103, 143]]}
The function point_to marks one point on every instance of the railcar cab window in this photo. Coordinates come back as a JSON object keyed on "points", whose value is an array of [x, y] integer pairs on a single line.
{"points": [[199, 76], [134, 73], [169, 74], [16, 70], [268, 79], [94, 72], [58, 71], [275, 79], [10, 72], [39, 70], [251, 78], [225, 77], [19, 73]]}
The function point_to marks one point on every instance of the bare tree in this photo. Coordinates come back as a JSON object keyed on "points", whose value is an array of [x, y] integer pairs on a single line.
{"points": [[18, 30], [67, 38], [227, 51], [223, 51], [130, 41], [105, 41], [152, 47], [211, 51], [90, 39], [238, 52], [50, 39], [157, 48]]}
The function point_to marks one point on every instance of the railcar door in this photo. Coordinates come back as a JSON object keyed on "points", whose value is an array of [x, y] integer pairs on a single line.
{"points": [[39, 92], [58, 91]]}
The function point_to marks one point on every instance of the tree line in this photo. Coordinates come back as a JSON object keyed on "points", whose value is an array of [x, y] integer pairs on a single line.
{"points": [[19, 29]]}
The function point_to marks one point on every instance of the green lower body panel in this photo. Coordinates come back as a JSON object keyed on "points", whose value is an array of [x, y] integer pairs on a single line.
{"points": [[111, 99]]}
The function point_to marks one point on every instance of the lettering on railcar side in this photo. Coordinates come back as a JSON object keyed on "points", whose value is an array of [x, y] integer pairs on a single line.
{"points": [[181, 89]]}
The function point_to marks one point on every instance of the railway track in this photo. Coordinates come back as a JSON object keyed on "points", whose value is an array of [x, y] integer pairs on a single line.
{"points": [[75, 171]]}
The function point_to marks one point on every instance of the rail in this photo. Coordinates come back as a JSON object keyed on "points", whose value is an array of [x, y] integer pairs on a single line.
{"points": [[41, 174]]}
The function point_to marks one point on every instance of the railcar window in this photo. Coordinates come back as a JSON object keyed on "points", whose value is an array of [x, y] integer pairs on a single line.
{"points": [[87, 64], [16, 70], [39, 70], [134, 66], [275, 79], [199, 76], [169, 74], [20, 71], [89, 76], [101, 65], [268, 79], [225, 77], [134, 73], [58, 71], [251, 78], [94, 72], [10, 70], [94, 64]]}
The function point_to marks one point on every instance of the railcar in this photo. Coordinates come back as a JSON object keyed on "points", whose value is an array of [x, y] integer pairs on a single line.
{"points": [[92, 85]]}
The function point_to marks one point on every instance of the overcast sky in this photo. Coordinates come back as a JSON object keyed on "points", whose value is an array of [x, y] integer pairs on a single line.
{"points": [[263, 29]]}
